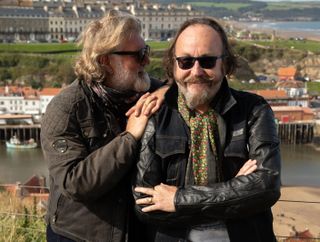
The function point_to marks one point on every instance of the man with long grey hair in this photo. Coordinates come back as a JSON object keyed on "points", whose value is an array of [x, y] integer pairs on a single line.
{"points": [[89, 143]]}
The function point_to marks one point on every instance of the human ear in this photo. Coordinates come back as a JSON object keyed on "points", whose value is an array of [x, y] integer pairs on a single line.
{"points": [[104, 61]]}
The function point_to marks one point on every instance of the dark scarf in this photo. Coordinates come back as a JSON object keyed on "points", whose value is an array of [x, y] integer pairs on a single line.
{"points": [[113, 103]]}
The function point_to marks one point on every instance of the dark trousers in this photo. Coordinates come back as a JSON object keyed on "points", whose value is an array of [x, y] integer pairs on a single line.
{"points": [[53, 237]]}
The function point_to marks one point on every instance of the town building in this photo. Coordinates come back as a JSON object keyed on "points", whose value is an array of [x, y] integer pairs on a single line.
{"points": [[287, 73], [48, 21], [23, 24], [293, 114], [276, 97], [25, 100]]}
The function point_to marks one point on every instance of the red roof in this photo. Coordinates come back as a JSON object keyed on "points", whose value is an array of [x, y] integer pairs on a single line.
{"points": [[287, 71], [50, 91], [271, 94], [23, 91]]}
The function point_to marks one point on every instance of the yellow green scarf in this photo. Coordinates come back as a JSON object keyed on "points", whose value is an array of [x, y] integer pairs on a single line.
{"points": [[203, 128]]}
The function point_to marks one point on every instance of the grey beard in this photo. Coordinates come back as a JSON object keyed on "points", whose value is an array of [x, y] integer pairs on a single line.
{"points": [[192, 100], [143, 83]]}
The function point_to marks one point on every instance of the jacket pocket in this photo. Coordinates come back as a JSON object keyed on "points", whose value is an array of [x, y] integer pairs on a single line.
{"points": [[238, 147], [95, 135], [173, 152]]}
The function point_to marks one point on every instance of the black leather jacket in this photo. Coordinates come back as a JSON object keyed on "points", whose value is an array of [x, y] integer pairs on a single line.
{"points": [[246, 130], [89, 166]]}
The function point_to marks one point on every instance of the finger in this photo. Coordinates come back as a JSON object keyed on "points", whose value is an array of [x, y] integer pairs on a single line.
{"points": [[130, 111], [248, 167], [248, 164], [144, 201], [156, 107], [144, 190], [150, 208], [147, 109], [139, 105], [250, 170]]}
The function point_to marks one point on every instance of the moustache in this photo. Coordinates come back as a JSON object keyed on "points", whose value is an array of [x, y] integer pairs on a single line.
{"points": [[198, 80]]}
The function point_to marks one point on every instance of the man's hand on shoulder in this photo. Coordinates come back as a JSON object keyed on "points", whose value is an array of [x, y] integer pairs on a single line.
{"points": [[149, 103]]}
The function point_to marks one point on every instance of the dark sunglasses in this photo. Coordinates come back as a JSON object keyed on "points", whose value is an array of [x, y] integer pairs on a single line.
{"points": [[206, 62], [140, 55]]}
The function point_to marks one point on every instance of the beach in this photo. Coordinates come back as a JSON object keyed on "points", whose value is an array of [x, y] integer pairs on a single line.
{"points": [[296, 216], [282, 33]]}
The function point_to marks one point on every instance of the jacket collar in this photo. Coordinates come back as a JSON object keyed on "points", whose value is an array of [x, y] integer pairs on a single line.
{"points": [[221, 103]]}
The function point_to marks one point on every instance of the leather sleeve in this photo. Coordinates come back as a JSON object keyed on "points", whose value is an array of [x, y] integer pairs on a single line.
{"points": [[244, 195], [79, 174]]}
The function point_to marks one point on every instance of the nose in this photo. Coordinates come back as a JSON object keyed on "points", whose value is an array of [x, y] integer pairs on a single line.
{"points": [[197, 70]]}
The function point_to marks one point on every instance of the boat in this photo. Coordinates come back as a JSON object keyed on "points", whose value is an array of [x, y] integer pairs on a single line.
{"points": [[14, 142]]}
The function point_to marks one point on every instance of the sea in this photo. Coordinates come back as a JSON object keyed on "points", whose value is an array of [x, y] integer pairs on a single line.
{"points": [[300, 165], [305, 28]]}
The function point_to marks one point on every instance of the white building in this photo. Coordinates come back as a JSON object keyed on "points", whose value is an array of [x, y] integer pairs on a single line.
{"points": [[36, 103], [19, 105], [160, 22], [64, 21], [46, 96]]}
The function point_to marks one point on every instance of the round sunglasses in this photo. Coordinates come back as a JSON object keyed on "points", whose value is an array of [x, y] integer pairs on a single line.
{"points": [[140, 55], [206, 62]]}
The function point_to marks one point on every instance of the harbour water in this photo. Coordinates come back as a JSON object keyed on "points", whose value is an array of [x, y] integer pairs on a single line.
{"points": [[309, 26], [300, 165], [304, 29]]}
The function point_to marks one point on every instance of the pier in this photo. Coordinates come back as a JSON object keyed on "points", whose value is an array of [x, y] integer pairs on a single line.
{"points": [[289, 133], [296, 132], [23, 132]]}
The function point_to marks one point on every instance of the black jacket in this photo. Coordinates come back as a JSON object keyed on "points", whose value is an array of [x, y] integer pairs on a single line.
{"points": [[246, 130], [89, 166]]}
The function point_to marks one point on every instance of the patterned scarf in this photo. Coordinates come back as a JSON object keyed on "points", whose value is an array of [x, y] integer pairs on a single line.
{"points": [[203, 128], [114, 103]]}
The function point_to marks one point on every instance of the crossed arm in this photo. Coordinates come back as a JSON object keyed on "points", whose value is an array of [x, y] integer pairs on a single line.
{"points": [[161, 197]]}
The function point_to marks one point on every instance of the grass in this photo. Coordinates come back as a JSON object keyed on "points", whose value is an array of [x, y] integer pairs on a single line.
{"points": [[41, 48], [59, 48], [71, 48], [290, 5], [20, 221], [313, 88], [158, 45], [303, 45], [230, 6]]}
